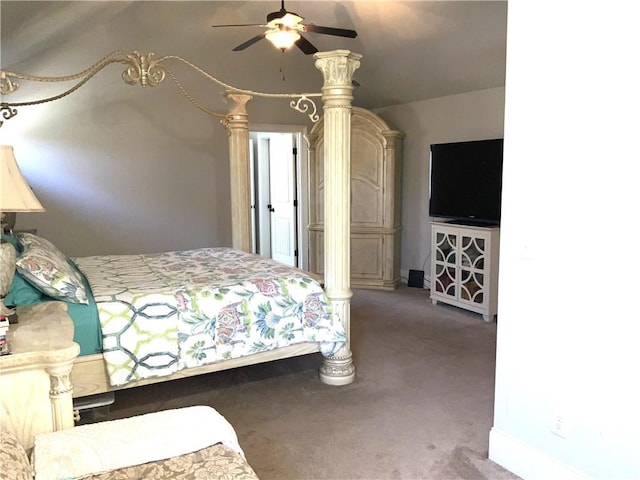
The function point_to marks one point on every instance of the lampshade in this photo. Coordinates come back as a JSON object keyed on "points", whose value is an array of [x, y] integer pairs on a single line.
{"points": [[15, 193], [283, 38], [15, 196]]}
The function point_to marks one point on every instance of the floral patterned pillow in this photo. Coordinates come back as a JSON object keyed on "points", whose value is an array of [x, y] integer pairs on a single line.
{"points": [[29, 240], [13, 458], [52, 275]]}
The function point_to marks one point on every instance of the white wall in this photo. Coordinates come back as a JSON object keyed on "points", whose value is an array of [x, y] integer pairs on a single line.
{"points": [[569, 325], [470, 116], [131, 173]]}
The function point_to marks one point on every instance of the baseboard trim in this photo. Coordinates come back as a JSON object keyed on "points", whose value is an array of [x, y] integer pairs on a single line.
{"points": [[527, 462]]}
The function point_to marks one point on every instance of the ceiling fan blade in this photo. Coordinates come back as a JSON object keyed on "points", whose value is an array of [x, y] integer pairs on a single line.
{"points": [[306, 46], [249, 42], [338, 32]]}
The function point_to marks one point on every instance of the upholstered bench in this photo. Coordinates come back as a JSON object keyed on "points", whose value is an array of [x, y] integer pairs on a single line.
{"points": [[192, 442]]}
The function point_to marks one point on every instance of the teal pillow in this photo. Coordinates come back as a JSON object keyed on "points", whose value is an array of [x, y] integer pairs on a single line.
{"points": [[22, 293]]}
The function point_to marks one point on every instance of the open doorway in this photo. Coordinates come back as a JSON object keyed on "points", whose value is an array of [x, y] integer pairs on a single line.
{"points": [[279, 192]]}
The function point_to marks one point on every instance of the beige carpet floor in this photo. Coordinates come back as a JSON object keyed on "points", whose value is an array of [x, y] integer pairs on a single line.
{"points": [[421, 406]]}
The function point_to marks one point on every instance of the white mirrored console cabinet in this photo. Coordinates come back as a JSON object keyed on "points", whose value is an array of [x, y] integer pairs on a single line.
{"points": [[464, 267]]}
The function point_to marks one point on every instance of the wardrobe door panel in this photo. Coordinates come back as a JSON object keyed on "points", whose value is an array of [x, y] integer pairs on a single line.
{"points": [[376, 156]]}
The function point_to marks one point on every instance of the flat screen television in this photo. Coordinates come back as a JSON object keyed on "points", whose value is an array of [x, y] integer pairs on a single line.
{"points": [[465, 182]]}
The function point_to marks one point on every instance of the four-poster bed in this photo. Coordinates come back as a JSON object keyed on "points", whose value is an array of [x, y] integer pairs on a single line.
{"points": [[89, 375]]}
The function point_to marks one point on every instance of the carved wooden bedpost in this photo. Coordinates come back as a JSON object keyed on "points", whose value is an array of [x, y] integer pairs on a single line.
{"points": [[61, 392], [337, 94], [237, 124]]}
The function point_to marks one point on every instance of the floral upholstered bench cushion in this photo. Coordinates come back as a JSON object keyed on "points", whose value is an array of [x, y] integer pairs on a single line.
{"points": [[217, 462], [14, 462]]}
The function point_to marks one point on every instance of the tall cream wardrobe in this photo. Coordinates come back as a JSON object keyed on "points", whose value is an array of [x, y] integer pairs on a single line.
{"points": [[376, 200]]}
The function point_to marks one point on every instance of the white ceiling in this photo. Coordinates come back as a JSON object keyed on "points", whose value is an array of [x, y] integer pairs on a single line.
{"points": [[412, 50]]}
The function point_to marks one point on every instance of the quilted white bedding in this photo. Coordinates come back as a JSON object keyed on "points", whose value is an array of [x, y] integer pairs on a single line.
{"points": [[163, 312]]}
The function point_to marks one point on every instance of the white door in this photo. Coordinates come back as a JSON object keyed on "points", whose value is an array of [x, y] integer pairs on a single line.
{"points": [[282, 182], [254, 218], [262, 224]]}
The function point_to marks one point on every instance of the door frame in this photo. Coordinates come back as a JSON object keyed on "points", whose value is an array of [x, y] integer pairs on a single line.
{"points": [[302, 182]]}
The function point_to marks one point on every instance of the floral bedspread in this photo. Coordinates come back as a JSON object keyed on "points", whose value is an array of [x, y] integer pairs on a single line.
{"points": [[163, 312]]}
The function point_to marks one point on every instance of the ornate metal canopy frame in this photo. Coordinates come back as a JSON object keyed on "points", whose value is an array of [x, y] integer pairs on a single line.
{"points": [[337, 68], [143, 70]]}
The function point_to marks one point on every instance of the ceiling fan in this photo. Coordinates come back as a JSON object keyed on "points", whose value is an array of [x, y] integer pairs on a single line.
{"points": [[284, 29]]}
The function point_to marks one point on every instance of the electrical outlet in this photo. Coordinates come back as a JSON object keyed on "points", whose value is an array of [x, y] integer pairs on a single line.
{"points": [[559, 425]]}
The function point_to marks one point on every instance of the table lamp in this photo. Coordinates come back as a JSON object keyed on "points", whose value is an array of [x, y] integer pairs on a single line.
{"points": [[15, 196]]}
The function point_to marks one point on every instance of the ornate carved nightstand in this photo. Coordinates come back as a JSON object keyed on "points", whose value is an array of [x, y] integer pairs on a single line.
{"points": [[35, 379]]}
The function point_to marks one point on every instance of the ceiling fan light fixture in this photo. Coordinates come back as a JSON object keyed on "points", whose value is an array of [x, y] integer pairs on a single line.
{"points": [[289, 20], [285, 29], [283, 38]]}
